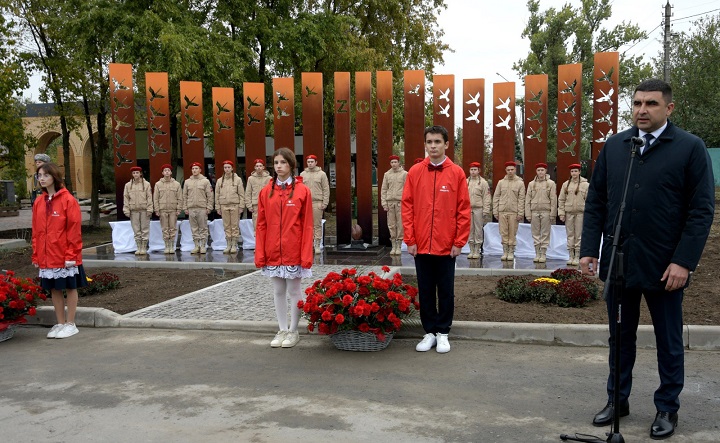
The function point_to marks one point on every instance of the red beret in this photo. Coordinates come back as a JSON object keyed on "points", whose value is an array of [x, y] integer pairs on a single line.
{"points": [[474, 165], [575, 166], [541, 165], [311, 157], [510, 164], [228, 162], [196, 164], [394, 157], [136, 168], [259, 160], [162, 168], [419, 160]]}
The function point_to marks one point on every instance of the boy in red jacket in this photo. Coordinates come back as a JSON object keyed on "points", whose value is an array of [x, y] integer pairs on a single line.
{"points": [[436, 220]]}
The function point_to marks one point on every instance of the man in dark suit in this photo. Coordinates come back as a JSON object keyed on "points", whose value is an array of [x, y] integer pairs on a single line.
{"points": [[668, 214]]}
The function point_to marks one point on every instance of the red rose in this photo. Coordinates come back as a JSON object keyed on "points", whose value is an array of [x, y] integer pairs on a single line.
{"points": [[339, 319], [364, 327], [352, 271], [385, 269], [31, 311], [326, 316], [311, 327], [347, 299]]}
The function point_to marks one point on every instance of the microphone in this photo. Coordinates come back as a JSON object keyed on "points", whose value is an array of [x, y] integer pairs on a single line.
{"points": [[638, 141]]}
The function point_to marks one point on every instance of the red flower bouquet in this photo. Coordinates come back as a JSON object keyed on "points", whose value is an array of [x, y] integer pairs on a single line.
{"points": [[364, 303], [18, 297]]}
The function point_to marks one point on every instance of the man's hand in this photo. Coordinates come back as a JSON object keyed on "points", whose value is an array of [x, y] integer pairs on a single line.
{"points": [[412, 250], [562, 218], [385, 208], [157, 213], [588, 265], [455, 251], [207, 211], [520, 218], [219, 212], [675, 277]]}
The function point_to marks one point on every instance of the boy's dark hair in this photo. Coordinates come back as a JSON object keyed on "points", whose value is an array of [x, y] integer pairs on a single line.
{"points": [[437, 129], [655, 84]]}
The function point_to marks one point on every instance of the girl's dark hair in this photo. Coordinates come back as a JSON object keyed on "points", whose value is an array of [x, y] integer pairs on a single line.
{"points": [[289, 157], [55, 173]]}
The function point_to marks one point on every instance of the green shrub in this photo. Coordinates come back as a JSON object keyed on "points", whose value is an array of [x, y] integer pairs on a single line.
{"points": [[543, 291], [99, 283], [513, 289]]}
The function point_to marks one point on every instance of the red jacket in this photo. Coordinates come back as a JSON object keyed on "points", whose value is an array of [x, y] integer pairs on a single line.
{"points": [[284, 232], [436, 208], [56, 235]]}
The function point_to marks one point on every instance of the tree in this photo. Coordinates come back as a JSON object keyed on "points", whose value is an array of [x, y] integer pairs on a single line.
{"points": [[574, 35], [695, 78]]}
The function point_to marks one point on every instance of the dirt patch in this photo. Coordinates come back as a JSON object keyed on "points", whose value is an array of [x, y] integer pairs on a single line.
{"points": [[474, 296]]}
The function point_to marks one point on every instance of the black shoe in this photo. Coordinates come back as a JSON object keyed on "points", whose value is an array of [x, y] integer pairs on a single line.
{"points": [[664, 425], [605, 417]]}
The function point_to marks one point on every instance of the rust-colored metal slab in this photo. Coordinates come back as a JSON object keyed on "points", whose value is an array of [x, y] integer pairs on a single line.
{"points": [[192, 127], [283, 104], [363, 153], [503, 128], [223, 116], [606, 82], [343, 189], [569, 130], [122, 114], [384, 113], [312, 116], [473, 140], [254, 117], [157, 103], [536, 123], [444, 108], [414, 93]]}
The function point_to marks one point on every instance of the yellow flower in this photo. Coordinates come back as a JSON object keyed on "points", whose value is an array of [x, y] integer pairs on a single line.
{"points": [[549, 280]]}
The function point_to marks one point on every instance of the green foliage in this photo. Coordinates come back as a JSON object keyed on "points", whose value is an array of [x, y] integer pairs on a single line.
{"points": [[695, 78], [543, 291], [99, 283], [513, 289]]}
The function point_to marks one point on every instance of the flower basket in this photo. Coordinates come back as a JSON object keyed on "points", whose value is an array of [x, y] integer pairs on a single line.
{"points": [[7, 333], [358, 312], [359, 341]]}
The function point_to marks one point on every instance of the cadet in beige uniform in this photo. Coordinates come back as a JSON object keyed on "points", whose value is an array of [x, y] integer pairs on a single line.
{"points": [[229, 202], [138, 206], [316, 179], [509, 209], [391, 201], [541, 210], [168, 200], [571, 206], [480, 202], [257, 180], [197, 203]]}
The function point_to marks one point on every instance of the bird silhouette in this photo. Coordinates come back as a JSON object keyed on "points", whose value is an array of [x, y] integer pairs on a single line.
{"points": [[569, 128], [537, 117], [474, 100], [415, 90], [191, 137], [155, 94], [504, 123], [474, 117], [252, 103], [121, 123], [157, 130], [221, 125], [606, 118], [536, 135], [569, 88], [122, 158], [121, 141], [155, 113], [569, 109], [504, 104], [119, 84], [569, 148], [445, 111], [190, 102], [310, 91], [119, 104], [252, 119], [606, 97], [190, 119], [281, 112], [281, 97], [607, 77], [536, 98], [157, 149], [445, 95], [221, 108], [604, 136]]}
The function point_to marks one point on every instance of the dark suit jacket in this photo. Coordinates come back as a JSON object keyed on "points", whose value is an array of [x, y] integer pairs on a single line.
{"points": [[669, 211]]}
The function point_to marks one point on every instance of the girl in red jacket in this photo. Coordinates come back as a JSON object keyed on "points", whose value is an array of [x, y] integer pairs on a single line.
{"points": [[57, 246], [284, 242]]}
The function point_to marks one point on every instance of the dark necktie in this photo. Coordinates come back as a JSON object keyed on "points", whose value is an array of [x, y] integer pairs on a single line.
{"points": [[432, 167], [648, 141]]}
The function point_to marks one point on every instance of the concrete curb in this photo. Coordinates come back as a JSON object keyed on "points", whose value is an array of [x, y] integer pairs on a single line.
{"points": [[703, 338]]}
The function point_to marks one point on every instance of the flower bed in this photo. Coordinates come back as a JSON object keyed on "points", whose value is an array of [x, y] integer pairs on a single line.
{"points": [[99, 283], [565, 288]]}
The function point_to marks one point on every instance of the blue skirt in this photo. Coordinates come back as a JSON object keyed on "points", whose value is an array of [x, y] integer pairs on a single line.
{"points": [[76, 281]]}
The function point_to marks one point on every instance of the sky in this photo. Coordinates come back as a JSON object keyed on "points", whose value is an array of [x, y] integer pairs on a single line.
{"points": [[472, 28]]}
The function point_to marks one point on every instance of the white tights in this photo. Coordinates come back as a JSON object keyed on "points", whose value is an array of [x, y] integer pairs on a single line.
{"points": [[291, 286]]}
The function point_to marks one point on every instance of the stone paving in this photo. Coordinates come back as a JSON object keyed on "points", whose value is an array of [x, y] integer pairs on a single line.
{"points": [[249, 297]]}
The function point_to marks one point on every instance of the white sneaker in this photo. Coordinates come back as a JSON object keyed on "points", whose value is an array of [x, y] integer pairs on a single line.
{"points": [[52, 333], [291, 339], [443, 345], [279, 337], [427, 343], [68, 330]]}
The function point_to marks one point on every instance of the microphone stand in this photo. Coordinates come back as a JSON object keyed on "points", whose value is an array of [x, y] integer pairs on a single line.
{"points": [[616, 279]]}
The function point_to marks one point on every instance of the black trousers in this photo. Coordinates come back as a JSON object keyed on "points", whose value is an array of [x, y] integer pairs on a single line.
{"points": [[666, 313], [436, 291]]}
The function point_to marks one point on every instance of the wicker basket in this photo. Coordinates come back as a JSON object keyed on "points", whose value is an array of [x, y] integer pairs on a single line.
{"points": [[7, 333], [359, 341]]}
